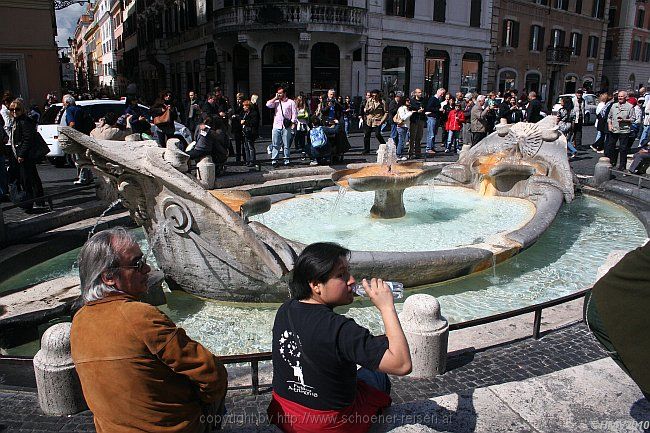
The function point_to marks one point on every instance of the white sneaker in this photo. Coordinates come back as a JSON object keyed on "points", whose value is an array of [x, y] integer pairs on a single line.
{"points": [[403, 158], [268, 149], [313, 163]]}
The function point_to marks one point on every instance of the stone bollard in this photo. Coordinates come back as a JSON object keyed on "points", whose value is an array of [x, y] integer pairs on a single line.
{"points": [[59, 389], [206, 172], [427, 333], [602, 171]]}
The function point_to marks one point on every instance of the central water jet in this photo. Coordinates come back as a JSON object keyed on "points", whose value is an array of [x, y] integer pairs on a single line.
{"points": [[387, 179]]}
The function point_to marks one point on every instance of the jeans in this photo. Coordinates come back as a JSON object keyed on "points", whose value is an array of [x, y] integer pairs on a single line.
{"points": [[623, 148], [4, 189], [346, 126], [249, 147], [570, 147], [402, 138], [452, 140], [279, 138], [84, 174], [432, 125], [393, 131], [376, 379], [644, 136]]}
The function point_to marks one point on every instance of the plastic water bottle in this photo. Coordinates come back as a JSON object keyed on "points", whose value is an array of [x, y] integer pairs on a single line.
{"points": [[395, 287]]}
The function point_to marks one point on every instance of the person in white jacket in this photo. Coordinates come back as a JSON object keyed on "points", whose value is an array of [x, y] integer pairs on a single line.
{"points": [[404, 114]]}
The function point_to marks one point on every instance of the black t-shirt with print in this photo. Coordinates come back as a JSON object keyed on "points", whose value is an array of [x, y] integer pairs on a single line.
{"points": [[315, 352]]}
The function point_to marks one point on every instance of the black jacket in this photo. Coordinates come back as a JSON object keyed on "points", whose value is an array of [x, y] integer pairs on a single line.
{"points": [[534, 111], [251, 125], [433, 107], [25, 137]]}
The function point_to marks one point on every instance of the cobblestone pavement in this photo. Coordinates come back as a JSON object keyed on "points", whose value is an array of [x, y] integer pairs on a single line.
{"points": [[515, 361]]}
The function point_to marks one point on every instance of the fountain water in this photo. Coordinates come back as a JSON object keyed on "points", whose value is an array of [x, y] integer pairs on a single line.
{"points": [[103, 214], [387, 179]]}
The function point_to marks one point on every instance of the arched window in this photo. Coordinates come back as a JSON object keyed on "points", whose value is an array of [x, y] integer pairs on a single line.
{"points": [[395, 70], [570, 83], [325, 68], [436, 71], [472, 72], [278, 61], [533, 81], [507, 80]]}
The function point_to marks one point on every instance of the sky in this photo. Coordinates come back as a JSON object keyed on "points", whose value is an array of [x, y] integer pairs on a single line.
{"points": [[66, 21]]}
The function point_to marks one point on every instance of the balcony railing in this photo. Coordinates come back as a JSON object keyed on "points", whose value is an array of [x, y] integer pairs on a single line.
{"points": [[558, 55], [261, 17]]}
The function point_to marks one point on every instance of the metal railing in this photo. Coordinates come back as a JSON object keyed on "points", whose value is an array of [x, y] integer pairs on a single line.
{"points": [[281, 14], [558, 55], [255, 358]]}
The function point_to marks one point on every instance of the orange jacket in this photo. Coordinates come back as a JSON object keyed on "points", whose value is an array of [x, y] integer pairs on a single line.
{"points": [[139, 372]]}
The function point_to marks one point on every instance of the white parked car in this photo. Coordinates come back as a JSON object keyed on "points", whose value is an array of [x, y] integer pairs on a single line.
{"points": [[97, 108], [591, 101]]}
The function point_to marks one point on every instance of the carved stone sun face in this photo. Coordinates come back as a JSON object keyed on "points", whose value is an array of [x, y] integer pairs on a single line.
{"points": [[524, 139]]}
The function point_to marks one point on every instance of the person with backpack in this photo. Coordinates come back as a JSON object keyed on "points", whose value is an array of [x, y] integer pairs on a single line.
{"points": [[74, 116], [210, 140], [320, 148], [602, 130]]}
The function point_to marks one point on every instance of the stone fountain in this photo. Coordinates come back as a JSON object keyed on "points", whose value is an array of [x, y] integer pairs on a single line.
{"points": [[387, 179], [207, 246]]}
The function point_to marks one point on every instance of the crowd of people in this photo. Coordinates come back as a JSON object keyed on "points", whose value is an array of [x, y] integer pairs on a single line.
{"points": [[318, 128]]}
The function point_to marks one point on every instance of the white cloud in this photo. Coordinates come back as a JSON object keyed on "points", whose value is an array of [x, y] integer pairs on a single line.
{"points": [[66, 22]]}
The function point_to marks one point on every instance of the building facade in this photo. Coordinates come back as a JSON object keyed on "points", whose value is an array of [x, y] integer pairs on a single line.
{"points": [[253, 46], [549, 46], [627, 47], [29, 67]]}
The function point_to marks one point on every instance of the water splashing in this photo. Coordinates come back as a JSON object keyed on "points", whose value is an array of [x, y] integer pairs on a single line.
{"points": [[339, 197], [99, 220]]}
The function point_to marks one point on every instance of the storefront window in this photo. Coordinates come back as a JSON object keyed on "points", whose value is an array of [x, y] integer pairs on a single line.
{"points": [[436, 71], [395, 70], [470, 81]]}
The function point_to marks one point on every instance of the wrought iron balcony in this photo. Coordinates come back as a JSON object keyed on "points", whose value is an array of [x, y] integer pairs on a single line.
{"points": [[290, 15], [560, 56]]}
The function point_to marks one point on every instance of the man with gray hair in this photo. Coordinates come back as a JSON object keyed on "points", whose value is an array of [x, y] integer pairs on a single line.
{"points": [[138, 371], [478, 120], [73, 116], [620, 119]]}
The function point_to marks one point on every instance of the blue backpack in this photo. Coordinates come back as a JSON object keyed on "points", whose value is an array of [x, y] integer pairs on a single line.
{"points": [[318, 137]]}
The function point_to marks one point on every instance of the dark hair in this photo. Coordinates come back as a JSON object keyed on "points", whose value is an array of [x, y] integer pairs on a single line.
{"points": [[140, 126], [315, 264], [281, 88], [568, 102], [110, 118], [316, 121]]}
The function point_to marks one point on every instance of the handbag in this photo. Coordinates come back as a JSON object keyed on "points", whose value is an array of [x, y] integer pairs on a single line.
{"points": [[287, 123], [163, 119], [40, 151]]}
